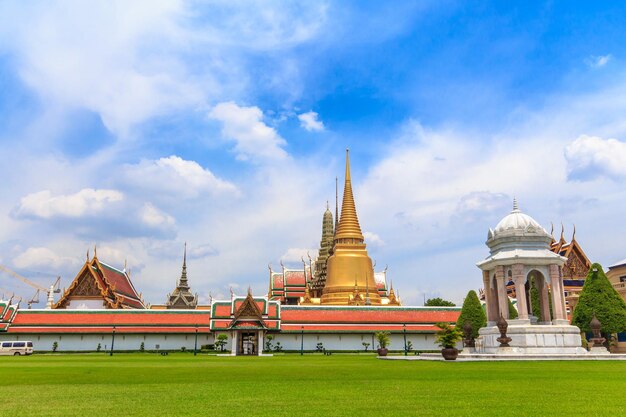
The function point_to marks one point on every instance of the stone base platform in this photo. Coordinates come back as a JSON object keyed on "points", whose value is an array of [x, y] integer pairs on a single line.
{"points": [[557, 338], [478, 357]]}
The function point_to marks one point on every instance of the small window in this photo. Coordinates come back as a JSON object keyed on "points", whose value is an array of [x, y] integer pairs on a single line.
{"points": [[622, 278], [19, 344], [6, 344], [29, 344]]}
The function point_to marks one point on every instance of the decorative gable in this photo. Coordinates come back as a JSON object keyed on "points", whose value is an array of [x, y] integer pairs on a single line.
{"points": [[86, 287]]}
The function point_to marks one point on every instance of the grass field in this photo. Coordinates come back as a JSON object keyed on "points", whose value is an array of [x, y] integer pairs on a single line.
{"points": [[291, 385]]}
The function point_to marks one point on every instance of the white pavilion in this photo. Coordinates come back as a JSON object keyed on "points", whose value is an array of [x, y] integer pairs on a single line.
{"points": [[520, 251]]}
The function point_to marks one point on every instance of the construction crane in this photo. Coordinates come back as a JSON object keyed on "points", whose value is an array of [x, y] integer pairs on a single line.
{"points": [[54, 288], [5, 292]]}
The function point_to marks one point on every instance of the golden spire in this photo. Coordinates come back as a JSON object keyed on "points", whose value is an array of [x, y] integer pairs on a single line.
{"points": [[349, 227]]}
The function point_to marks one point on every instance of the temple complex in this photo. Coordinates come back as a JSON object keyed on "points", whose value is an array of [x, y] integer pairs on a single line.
{"points": [[343, 272]]}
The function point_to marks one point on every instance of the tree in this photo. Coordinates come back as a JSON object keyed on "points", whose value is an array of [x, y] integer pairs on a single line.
{"points": [[512, 310], [383, 339], [534, 298], [439, 302], [221, 341], [600, 298], [473, 312], [448, 336]]}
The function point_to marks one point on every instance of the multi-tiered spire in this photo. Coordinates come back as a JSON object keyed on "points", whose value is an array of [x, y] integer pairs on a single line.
{"points": [[182, 297], [349, 269], [326, 245], [349, 227]]}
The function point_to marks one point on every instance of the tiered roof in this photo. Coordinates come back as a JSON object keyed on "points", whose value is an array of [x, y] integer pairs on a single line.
{"points": [[246, 312], [181, 297], [104, 321], [288, 285], [577, 265], [98, 280]]}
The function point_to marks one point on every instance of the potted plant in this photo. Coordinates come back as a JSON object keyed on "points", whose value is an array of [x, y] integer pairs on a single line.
{"points": [[383, 342], [447, 338]]}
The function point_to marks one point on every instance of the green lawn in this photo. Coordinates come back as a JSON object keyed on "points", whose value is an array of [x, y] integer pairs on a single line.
{"points": [[288, 385]]}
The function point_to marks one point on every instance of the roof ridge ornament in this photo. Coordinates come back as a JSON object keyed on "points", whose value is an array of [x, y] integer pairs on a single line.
{"points": [[515, 206]]}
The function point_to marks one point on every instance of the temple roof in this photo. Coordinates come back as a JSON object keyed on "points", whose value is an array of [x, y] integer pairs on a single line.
{"points": [[98, 279], [182, 297], [619, 263], [517, 221]]}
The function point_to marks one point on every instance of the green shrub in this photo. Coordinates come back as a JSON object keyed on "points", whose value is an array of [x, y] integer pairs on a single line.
{"points": [[598, 296], [99, 348], [583, 339], [142, 347], [448, 336], [383, 339], [55, 346], [438, 302], [221, 341], [512, 310], [473, 312]]}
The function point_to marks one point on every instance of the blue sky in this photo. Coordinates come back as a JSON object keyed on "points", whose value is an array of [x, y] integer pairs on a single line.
{"points": [[141, 126]]}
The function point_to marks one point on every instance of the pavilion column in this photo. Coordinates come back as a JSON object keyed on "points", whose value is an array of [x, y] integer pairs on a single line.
{"points": [[261, 343], [520, 291], [488, 295], [233, 341], [503, 302], [563, 292], [544, 298], [557, 293]]}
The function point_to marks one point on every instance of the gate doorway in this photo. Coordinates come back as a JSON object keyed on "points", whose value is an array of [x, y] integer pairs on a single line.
{"points": [[248, 343]]}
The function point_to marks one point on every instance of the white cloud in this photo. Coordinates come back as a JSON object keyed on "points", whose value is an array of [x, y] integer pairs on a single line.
{"points": [[201, 251], [295, 255], [244, 125], [372, 239], [87, 201], [176, 176], [590, 157], [598, 61], [152, 216], [129, 62], [310, 121], [117, 258], [45, 259]]}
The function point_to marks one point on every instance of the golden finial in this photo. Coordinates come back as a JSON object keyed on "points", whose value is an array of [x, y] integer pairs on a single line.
{"points": [[95, 251], [87, 254], [552, 230], [562, 231], [349, 227], [574, 234]]}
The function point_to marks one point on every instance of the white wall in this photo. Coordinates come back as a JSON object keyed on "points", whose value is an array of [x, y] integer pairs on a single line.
{"points": [[288, 341], [77, 342], [335, 341]]}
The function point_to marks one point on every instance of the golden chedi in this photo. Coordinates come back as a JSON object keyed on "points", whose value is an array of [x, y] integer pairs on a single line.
{"points": [[349, 269]]}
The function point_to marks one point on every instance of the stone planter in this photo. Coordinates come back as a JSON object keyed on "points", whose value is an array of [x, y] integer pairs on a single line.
{"points": [[382, 352], [449, 354]]}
